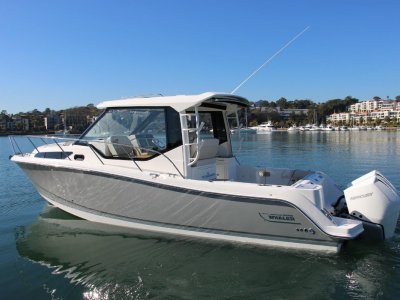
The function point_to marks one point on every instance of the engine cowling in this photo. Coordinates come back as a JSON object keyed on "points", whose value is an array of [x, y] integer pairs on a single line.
{"points": [[372, 198]]}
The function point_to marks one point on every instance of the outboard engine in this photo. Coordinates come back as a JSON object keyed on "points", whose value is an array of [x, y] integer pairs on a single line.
{"points": [[373, 199]]}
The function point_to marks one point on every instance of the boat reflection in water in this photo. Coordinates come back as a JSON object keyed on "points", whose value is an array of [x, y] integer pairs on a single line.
{"points": [[104, 262]]}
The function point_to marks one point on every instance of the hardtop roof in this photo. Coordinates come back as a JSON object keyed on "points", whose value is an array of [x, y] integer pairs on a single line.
{"points": [[179, 102]]}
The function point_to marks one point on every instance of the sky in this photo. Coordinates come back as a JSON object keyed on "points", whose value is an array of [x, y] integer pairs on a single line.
{"points": [[64, 53]]}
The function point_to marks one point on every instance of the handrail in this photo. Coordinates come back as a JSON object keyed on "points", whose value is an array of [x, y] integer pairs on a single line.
{"points": [[12, 141], [34, 144], [56, 140], [158, 152]]}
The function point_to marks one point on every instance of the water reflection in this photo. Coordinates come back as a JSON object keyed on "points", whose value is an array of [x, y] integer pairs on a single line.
{"points": [[103, 262]]}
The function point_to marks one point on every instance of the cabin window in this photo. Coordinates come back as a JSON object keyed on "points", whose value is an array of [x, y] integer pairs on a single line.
{"points": [[214, 126], [135, 133], [219, 128]]}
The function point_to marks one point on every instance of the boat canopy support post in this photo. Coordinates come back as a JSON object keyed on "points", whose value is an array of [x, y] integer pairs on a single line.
{"points": [[188, 133]]}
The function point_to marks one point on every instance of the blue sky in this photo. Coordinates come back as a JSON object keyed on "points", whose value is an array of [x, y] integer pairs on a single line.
{"points": [[60, 54]]}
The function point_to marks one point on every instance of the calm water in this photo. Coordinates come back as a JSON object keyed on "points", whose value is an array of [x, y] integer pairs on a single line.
{"points": [[47, 254]]}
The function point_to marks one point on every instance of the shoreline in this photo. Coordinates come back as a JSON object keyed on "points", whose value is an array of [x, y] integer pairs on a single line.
{"points": [[277, 129]]}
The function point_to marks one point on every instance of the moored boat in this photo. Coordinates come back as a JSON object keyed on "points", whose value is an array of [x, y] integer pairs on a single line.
{"points": [[265, 127], [293, 128], [166, 164]]}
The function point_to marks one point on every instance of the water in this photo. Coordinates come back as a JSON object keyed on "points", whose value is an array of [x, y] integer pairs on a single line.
{"points": [[47, 254]]}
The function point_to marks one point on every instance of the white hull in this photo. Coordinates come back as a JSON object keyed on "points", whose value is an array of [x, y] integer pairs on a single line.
{"points": [[233, 216], [196, 234]]}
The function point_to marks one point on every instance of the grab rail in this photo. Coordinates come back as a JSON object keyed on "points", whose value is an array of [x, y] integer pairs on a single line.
{"points": [[56, 140]]}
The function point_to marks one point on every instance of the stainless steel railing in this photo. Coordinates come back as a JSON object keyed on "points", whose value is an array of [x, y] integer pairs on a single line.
{"points": [[20, 143]]}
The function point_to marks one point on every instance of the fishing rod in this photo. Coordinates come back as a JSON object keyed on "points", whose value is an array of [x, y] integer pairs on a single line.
{"points": [[271, 58]]}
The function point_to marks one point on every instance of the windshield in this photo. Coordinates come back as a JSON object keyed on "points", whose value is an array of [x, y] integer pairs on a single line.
{"points": [[133, 132], [127, 121]]}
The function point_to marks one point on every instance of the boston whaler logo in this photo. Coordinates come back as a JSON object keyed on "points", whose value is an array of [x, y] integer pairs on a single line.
{"points": [[361, 196], [278, 218]]}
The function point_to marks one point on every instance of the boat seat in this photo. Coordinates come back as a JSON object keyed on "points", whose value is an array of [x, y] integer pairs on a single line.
{"points": [[142, 143], [120, 146], [208, 148]]}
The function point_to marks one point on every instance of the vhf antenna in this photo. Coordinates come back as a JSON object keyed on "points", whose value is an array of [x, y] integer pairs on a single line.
{"points": [[271, 58]]}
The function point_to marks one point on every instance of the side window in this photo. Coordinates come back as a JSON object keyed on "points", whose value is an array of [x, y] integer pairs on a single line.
{"points": [[207, 130], [214, 126], [174, 132]]}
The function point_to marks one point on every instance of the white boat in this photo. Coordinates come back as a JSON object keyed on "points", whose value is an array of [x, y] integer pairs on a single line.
{"points": [[315, 127], [344, 128], [328, 128], [293, 128], [306, 127], [265, 127], [152, 164]]}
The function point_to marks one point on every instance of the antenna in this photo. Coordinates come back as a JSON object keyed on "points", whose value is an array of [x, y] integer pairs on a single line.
{"points": [[271, 58]]}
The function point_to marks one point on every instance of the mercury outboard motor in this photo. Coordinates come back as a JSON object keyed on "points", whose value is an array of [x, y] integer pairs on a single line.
{"points": [[373, 199]]}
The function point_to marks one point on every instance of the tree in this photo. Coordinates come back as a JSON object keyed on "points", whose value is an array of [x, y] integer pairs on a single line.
{"points": [[274, 116], [301, 104], [397, 98], [262, 103], [282, 103], [377, 98]]}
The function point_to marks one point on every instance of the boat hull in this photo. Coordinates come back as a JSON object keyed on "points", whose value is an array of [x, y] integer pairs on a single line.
{"points": [[146, 205]]}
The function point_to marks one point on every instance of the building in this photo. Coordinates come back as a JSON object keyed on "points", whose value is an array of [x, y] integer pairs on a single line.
{"points": [[286, 113], [21, 123], [76, 120], [369, 111], [335, 118], [5, 122]]}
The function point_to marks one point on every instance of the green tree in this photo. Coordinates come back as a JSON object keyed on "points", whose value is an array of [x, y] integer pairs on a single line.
{"points": [[282, 103]]}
